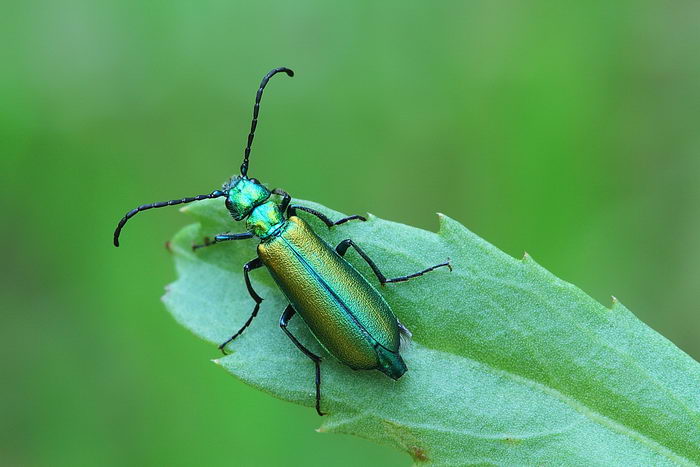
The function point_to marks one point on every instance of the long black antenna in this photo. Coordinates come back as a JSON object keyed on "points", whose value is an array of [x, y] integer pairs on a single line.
{"points": [[256, 109], [162, 204]]}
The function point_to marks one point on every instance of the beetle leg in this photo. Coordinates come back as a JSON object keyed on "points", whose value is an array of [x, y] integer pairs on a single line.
{"points": [[289, 312], [286, 198], [343, 246], [249, 266], [223, 238], [292, 210]]}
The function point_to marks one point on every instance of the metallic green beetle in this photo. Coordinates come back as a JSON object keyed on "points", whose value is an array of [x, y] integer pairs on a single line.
{"points": [[350, 319]]}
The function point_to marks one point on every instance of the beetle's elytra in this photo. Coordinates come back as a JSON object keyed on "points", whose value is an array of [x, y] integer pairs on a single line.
{"points": [[348, 316]]}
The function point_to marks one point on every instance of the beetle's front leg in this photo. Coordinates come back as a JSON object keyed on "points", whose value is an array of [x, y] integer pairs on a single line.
{"points": [[223, 238], [286, 198], [249, 266], [292, 210], [284, 320], [343, 246]]}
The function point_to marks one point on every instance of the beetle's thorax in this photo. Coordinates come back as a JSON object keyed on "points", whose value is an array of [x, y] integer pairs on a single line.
{"points": [[265, 220], [248, 198]]}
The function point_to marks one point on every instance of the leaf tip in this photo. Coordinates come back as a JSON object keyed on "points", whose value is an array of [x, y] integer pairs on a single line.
{"points": [[617, 305], [444, 222]]}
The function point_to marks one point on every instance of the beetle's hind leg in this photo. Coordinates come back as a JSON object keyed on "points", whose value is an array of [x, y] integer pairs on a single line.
{"points": [[343, 246], [249, 266], [292, 210], [289, 312]]}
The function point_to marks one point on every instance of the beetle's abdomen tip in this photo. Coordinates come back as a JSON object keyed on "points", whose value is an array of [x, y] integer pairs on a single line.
{"points": [[390, 363], [397, 370]]}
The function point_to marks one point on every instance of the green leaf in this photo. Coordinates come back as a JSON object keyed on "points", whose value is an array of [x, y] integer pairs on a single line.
{"points": [[509, 364]]}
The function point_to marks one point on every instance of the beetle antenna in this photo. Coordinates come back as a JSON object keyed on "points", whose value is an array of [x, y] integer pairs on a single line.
{"points": [[172, 202], [256, 109]]}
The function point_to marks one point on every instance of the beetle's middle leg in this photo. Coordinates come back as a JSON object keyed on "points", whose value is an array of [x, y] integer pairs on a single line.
{"points": [[343, 246], [284, 320], [249, 266], [292, 210]]}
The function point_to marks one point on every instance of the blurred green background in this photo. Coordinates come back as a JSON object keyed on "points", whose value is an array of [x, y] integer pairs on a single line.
{"points": [[567, 129]]}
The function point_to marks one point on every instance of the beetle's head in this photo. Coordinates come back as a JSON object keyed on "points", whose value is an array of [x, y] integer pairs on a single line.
{"points": [[244, 194]]}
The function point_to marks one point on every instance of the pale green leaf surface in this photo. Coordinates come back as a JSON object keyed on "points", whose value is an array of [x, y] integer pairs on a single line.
{"points": [[509, 364]]}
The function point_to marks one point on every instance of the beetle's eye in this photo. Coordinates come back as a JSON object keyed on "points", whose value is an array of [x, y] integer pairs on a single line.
{"points": [[255, 180]]}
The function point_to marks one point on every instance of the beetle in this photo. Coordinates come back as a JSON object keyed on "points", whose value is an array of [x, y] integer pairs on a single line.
{"points": [[346, 314]]}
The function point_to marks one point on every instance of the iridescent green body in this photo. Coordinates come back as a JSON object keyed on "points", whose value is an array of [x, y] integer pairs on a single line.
{"points": [[346, 314]]}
